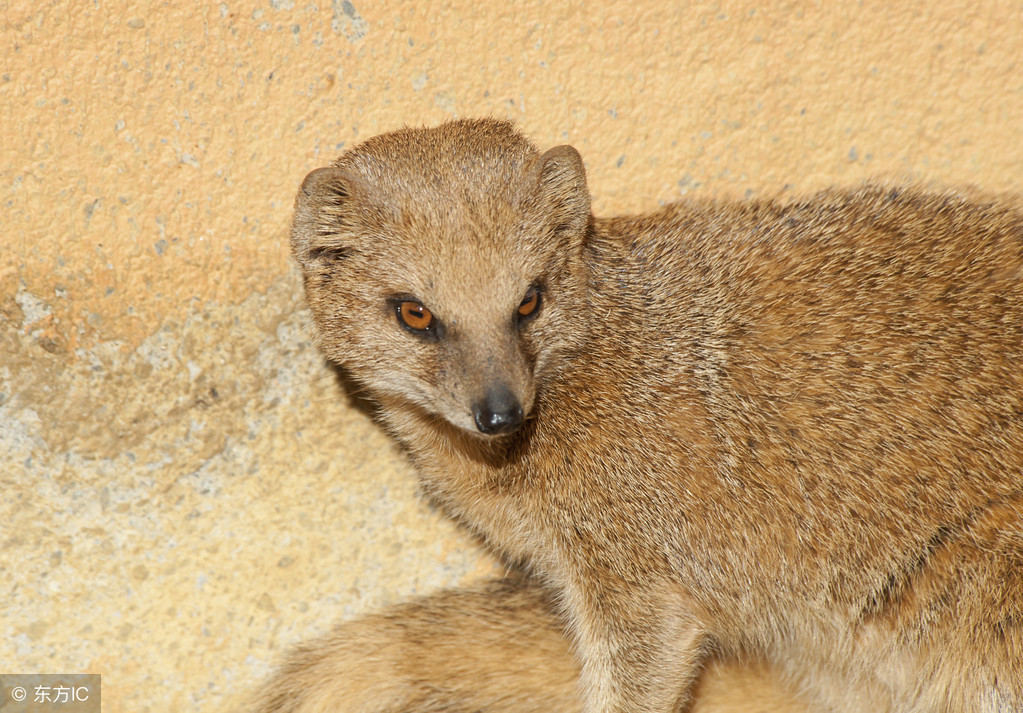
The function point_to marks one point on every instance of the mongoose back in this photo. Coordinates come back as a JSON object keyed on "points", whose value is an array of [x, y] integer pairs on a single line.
{"points": [[783, 432]]}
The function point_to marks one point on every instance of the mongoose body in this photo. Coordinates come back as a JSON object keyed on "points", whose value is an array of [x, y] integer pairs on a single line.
{"points": [[789, 432]]}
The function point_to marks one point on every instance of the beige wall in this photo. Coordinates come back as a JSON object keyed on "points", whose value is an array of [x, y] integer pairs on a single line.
{"points": [[185, 489]]}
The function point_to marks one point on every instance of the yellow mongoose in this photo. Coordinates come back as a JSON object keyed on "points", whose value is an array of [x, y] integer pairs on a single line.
{"points": [[789, 433]]}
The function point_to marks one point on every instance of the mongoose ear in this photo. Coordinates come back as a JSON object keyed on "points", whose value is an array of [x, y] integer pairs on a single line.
{"points": [[561, 183], [320, 208]]}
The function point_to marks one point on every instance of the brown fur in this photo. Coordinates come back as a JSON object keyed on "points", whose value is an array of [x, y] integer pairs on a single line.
{"points": [[780, 432], [497, 647]]}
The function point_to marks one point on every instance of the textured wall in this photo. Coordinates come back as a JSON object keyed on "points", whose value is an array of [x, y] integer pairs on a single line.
{"points": [[185, 489]]}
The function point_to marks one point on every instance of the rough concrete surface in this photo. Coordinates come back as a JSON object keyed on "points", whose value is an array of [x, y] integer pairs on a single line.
{"points": [[186, 489]]}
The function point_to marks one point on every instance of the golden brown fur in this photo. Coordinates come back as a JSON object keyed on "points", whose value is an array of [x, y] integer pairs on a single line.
{"points": [[789, 433], [496, 647]]}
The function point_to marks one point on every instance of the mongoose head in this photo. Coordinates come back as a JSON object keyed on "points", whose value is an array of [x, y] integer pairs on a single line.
{"points": [[444, 267]]}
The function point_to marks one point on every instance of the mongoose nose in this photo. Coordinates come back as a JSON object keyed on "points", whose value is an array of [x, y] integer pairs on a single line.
{"points": [[500, 412]]}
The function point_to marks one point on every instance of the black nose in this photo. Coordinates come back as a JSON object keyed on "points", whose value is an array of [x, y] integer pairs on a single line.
{"points": [[500, 412]]}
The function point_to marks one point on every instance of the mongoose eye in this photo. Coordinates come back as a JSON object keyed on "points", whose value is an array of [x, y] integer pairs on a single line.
{"points": [[530, 305], [415, 316]]}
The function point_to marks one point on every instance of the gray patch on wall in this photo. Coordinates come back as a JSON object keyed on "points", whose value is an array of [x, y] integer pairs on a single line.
{"points": [[348, 21]]}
